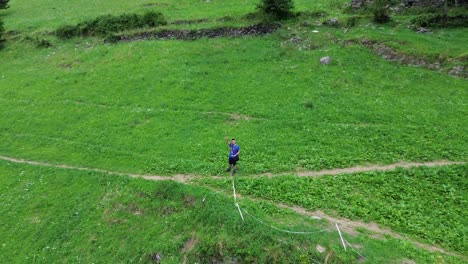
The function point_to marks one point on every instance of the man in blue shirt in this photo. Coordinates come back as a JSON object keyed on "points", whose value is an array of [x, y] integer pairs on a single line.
{"points": [[234, 151]]}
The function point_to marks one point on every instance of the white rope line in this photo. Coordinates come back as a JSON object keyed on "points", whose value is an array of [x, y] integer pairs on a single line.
{"points": [[341, 237], [234, 190], [240, 212], [282, 230], [354, 249], [260, 221]]}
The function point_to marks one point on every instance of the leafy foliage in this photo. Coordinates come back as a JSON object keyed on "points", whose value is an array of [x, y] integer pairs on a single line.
{"points": [[4, 4], [380, 11], [440, 21], [107, 24], [276, 8]]}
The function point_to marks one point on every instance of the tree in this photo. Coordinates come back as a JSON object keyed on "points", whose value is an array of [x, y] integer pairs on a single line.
{"points": [[276, 8], [4, 4]]}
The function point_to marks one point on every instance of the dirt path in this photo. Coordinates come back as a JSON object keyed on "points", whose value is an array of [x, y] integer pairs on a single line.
{"points": [[179, 177], [184, 178], [376, 168]]}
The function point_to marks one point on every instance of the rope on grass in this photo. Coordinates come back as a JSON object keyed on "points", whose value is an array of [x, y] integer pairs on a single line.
{"points": [[355, 250], [342, 240], [283, 230]]}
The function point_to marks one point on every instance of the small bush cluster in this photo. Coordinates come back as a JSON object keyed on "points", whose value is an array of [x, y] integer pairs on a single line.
{"points": [[276, 8], [107, 24], [4, 4], [380, 11], [440, 20]]}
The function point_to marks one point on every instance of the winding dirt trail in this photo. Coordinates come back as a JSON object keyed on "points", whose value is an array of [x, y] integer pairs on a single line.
{"points": [[184, 178]]}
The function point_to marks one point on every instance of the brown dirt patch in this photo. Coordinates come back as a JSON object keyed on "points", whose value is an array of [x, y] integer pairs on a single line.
{"points": [[375, 168], [189, 245], [154, 4]]}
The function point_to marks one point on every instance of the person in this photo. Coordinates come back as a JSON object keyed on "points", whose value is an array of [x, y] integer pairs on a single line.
{"points": [[234, 151]]}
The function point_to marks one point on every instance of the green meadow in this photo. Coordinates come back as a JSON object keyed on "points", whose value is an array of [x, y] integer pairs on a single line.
{"points": [[163, 107], [424, 202], [62, 216]]}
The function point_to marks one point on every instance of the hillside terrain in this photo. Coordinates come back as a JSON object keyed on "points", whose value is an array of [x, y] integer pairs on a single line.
{"points": [[113, 116]]}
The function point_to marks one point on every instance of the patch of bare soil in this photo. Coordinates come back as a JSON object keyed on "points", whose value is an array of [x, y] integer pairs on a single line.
{"points": [[154, 4], [178, 177], [375, 168], [184, 34], [189, 245]]}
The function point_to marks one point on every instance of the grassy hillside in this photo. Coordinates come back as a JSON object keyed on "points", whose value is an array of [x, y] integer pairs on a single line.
{"points": [[164, 106], [56, 215], [426, 202]]}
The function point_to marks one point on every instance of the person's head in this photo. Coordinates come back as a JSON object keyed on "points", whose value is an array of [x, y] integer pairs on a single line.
{"points": [[233, 141]]}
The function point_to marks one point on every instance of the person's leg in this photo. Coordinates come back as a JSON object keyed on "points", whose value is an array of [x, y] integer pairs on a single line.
{"points": [[235, 170], [230, 165]]}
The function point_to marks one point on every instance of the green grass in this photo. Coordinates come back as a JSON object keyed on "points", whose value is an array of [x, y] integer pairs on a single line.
{"points": [[40, 15], [442, 44], [428, 203], [164, 106], [56, 215]]}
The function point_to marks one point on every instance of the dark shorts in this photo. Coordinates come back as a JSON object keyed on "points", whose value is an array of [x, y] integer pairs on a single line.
{"points": [[234, 160]]}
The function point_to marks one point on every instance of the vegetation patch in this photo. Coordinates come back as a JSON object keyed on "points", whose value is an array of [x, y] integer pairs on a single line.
{"points": [[425, 202], [276, 8], [254, 30], [104, 25], [392, 54], [440, 21]]}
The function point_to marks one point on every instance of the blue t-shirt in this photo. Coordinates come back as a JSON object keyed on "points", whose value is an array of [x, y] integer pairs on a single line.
{"points": [[234, 149]]}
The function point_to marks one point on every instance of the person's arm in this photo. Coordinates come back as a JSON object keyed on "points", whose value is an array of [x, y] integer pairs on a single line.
{"points": [[227, 140], [237, 153]]}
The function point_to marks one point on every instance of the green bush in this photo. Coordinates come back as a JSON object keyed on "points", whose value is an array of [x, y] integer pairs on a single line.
{"points": [[276, 8], [107, 24], [380, 12], [440, 20], [4, 4]]}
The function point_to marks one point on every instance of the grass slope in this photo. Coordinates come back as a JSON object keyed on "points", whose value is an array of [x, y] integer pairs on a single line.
{"points": [[164, 107], [428, 203], [56, 215]]}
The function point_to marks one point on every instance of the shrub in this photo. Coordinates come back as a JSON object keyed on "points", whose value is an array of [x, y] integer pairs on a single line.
{"points": [[107, 24], [4, 4], [440, 20], [276, 8], [380, 12]]}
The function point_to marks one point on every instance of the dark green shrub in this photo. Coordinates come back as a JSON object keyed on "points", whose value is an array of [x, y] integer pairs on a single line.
{"points": [[352, 21], [107, 24], [153, 19], [380, 11], [4, 4], [2, 29], [276, 8], [440, 20]]}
